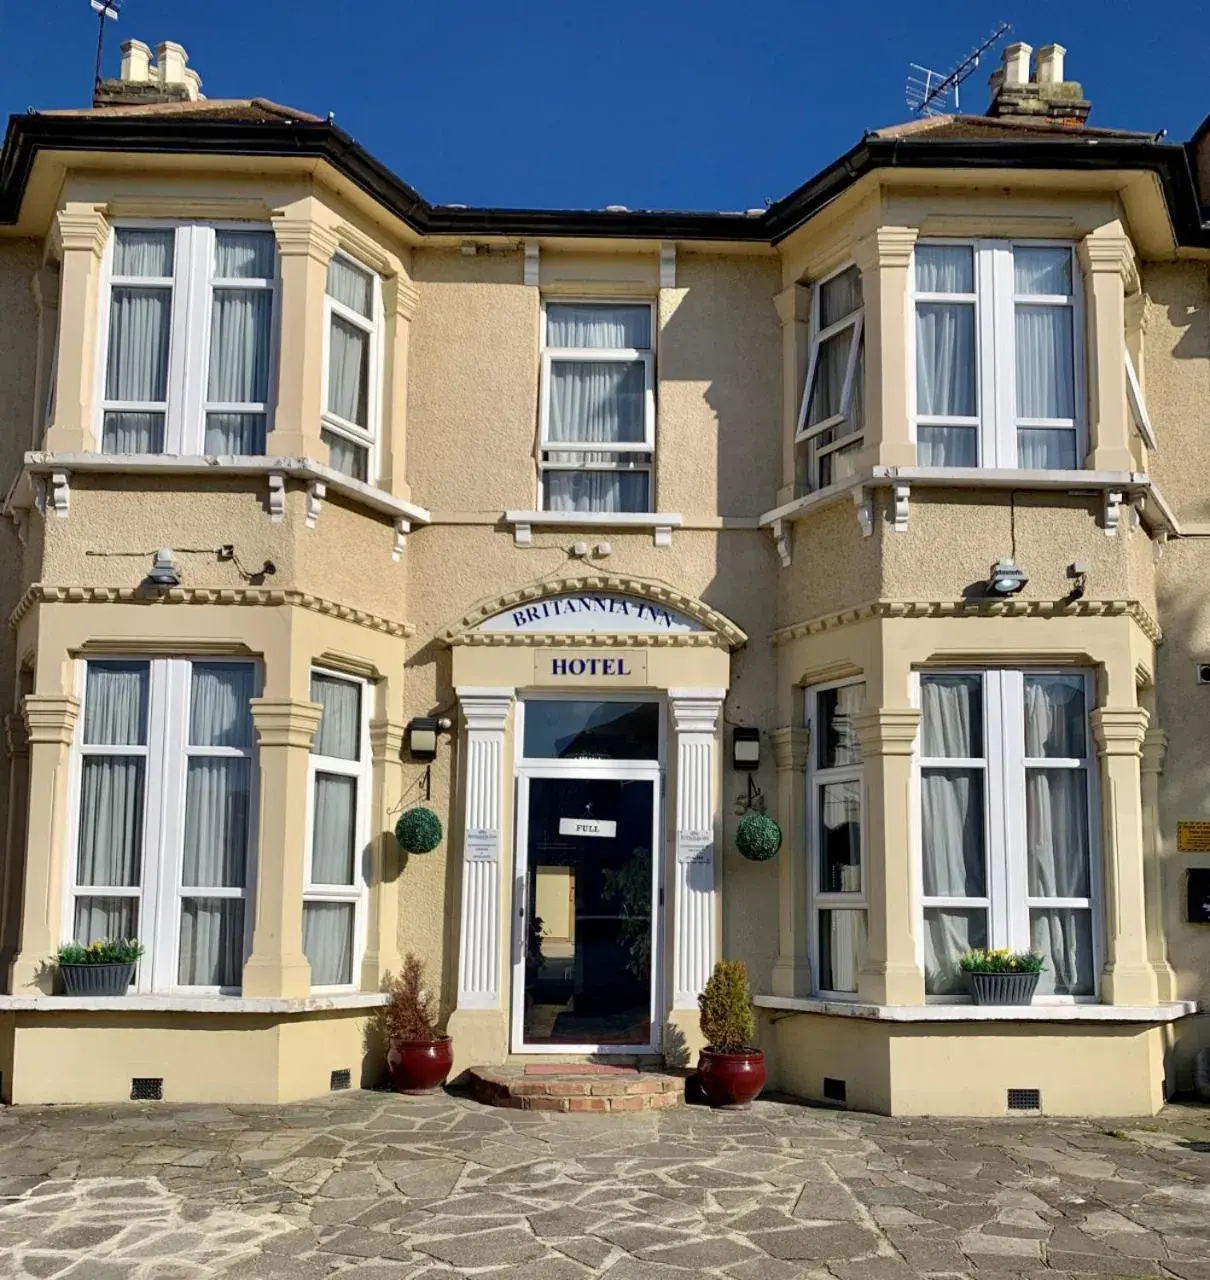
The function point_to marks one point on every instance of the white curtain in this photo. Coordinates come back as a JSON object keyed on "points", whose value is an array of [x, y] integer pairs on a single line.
{"points": [[133, 433], [220, 705], [1055, 727], [349, 372], [945, 359], [597, 400], [218, 792], [244, 255], [831, 364], [1041, 270], [212, 942], [140, 324], [239, 368], [350, 286], [328, 942], [143, 251], [842, 949], [1064, 936], [839, 297], [1046, 448], [349, 459], [948, 446], [595, 490], [334, 842], [115, 704], [105, 918], [1045, 362], [339, 733], [593, 326], [948, 932]]}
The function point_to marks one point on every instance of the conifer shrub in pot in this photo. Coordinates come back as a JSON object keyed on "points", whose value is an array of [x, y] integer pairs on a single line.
{"points": [[731, 1069], [418, 1058], [103, 968]]}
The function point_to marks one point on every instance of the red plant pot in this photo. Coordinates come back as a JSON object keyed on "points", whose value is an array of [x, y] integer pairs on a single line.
{"points": [[731, 1079], [420, 1066]]}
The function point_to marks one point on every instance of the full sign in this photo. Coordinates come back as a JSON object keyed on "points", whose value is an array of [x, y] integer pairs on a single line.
{"points": [[591, 613], [588, 827]]}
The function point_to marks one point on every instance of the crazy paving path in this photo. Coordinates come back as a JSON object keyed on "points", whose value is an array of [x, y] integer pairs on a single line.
{"points": [[369, 1186]]}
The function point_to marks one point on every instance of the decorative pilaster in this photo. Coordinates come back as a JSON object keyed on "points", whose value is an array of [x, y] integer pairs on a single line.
{"points": [[485, 711], [305, 247], [884, 258], [1107, 258], [794, 311], [792, 971], [1128, 977], [695, 717], [285, 730], [45, 289], [891, 973], [50, 720], [400, 300], [81, 233], [1155, 749], [12, 861], [382, 919]]}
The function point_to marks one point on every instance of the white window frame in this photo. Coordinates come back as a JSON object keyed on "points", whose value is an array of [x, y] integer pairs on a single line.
{"points": [[1005, 766], [610, 355], [1138, 404], [357, 893], [374, 325], [855, 320], [995, 301], [167, 752], [192, 284], [817, 778]]}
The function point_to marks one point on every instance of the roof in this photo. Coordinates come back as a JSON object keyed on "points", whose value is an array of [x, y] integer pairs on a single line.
{"points": [[250, 110]]}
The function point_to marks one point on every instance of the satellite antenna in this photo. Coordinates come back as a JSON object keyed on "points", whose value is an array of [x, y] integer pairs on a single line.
{"points": [[107, 10], [930, 92]]}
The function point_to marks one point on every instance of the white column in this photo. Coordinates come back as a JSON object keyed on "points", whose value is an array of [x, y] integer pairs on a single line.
{"points": [[695, 716], [485, 711]]}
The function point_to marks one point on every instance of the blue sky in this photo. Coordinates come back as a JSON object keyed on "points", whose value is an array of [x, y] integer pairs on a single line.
{"points": [[692, 104]]}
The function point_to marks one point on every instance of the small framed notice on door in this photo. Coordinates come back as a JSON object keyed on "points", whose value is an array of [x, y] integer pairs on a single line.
{"points": [[588, 827]]}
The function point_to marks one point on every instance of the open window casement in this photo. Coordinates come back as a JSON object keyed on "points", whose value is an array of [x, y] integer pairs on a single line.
{"points": [[1138, 406]]}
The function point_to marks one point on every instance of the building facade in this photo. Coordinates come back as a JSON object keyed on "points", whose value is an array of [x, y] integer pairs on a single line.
{"points": [[300, 467]]}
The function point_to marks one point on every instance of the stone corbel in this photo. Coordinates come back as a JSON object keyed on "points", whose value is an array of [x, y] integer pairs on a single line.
{"points": [[277, 497], [53, 493], [402, 528], [317, 491], [662, 535], [523, 535], [783, 541], [1113, 511], [667, 265], [532, 262], [901, 494], [863, 500]]}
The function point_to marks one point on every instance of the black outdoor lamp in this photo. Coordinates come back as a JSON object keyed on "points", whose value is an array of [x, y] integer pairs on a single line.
{"points": [[745, 748], [422, 736]]}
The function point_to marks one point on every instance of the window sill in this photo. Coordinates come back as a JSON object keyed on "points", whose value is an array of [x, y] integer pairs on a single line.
{"points": [[192, 1004], [1149, 1014], [661, 523]]}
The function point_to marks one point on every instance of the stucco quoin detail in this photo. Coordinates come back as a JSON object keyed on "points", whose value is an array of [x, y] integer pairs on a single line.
{"points": [[718, 631]]}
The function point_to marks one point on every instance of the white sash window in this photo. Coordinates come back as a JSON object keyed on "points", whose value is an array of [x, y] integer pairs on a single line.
{"points": [[353, 369]]}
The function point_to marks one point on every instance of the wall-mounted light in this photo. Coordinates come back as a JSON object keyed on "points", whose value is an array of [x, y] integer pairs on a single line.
{"points": [[422, 736], [164, 571], [1006, 579], [745, 748]]}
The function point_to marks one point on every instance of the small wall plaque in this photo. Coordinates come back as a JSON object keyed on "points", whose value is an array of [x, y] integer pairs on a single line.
{"points": [[1193, 837], [695, 846], [482, 846]]}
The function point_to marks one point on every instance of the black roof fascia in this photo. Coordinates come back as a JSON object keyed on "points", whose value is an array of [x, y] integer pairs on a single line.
{"points": [[1171, 162]]}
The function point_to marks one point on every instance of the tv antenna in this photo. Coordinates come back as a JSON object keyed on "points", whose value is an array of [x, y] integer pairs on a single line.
{"points": [[930, 92], [106, 11]]}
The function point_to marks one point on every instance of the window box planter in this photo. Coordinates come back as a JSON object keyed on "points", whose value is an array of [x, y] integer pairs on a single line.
{"points": [[96, 979], [1002, 988]]}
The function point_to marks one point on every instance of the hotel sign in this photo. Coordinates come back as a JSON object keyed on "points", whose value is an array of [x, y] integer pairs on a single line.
{"points": [[603, 668], [591, 613]]}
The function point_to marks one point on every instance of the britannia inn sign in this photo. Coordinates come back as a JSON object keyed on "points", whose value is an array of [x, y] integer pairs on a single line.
{"points": [[882, 510]]}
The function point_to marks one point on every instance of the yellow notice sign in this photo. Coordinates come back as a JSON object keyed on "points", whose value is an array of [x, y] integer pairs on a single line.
{"points": [[1193, 837]]}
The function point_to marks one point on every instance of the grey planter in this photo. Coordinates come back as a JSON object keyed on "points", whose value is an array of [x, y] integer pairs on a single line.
{"points": [[1002, 988], [96, 979]]}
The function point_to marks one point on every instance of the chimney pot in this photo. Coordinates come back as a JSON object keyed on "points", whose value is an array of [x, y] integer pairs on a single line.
{"points": [[136, 62], [172, 61], [1016, 63], [1050, 64]]}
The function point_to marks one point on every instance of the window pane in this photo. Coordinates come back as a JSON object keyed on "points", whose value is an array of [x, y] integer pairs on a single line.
{"points": [[558, 729], [952, 833], [1045, 362], [840, 837], [1038, 270], [839, 297], [220, 714], [133, 433], [598, 400], [945, 268], [1056, 832], [138, 251], [832, 467], [828, 383], [1046, 449], [951, 723], [348, 372], [140, 322], [328, 942], [110, 847], [596, 490], [334, 851], [842, 943], [350, 285], [1055, 723], [947, 446], [1064, 936], [244, 255], [948, 932], [115, 704], [212, 942], [838, 741], [339, 733], [239, 346], [217, 804], [105, 919], [237, 434], [587, 325], [945, 359], [352, 460]]}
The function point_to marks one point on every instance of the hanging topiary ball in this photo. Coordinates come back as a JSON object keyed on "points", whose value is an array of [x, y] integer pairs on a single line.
{"points": [[418, 830], [757, 837]]}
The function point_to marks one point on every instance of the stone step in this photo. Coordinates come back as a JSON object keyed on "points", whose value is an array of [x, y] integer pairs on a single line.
{"points": [[576, 1086]]}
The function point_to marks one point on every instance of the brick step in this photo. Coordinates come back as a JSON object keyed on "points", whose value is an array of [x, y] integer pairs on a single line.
{"points": [[575, 1086]]}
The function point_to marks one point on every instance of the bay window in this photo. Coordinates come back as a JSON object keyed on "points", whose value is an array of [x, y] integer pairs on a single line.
{"points": [[1006, 824], [834, 814], [338, 832], [188, 339], [998, 369], [832, 417], [163, 848], [352, 390], [598, 406]]}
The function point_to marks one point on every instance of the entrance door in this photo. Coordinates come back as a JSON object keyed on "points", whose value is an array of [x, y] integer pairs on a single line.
{"points": [[586, 919]]}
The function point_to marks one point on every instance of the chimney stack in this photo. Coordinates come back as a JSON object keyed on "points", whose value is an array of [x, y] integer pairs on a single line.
{"points": [[1044, 96], [141, 82]]}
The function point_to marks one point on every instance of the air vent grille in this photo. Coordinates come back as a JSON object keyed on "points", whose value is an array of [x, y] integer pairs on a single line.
{"points": [[1025, 1099], [342, 1079], [834, 1090], [147, 1089]]}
